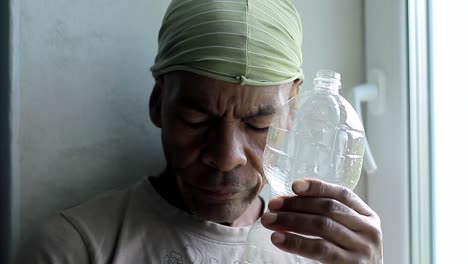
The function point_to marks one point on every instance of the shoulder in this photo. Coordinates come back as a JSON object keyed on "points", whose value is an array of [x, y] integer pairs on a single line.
{"points": [[81, 234], [99, 220], [58, 241], [98, 213]]}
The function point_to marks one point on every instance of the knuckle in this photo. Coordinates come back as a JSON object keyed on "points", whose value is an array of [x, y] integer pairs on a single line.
{"points": [[294, 203], [294, 243], [286, 219], [317, 187], [375, 234], [322, 249], [330, 206], [333, 257], [377, 219], [321, 188], [367, 250], [314, 188], [362, 260], [324, 224], [345, 194]]}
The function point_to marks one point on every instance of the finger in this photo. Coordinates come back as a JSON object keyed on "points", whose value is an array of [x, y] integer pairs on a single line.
{"points": [[320, 206], [317, 188], [314, 225], [317, 249]]}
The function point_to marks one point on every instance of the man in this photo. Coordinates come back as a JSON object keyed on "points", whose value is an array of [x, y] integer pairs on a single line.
{"points": [[222, 71]]}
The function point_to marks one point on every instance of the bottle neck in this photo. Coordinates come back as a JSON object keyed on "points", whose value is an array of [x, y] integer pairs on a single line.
{"points": [[326, 86], [327, 81]]}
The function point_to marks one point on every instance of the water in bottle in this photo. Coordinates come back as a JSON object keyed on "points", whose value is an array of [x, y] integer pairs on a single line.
{"points": [[317, 134]]}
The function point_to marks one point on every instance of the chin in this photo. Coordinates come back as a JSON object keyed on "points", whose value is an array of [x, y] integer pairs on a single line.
{"points": [[219, 213]]}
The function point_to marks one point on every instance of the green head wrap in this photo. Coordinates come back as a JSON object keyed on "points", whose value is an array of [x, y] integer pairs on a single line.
{"points": [[251, 42]]}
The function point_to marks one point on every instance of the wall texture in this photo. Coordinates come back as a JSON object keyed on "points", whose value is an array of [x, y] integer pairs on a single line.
{"points": [[82, 81], [5, 134]]}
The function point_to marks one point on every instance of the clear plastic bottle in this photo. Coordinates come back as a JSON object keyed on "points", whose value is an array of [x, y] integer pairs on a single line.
{"points": [[317, 134]]}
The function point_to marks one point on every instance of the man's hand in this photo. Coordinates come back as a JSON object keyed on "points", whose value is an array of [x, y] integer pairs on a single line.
{"points": [[348, 228]]}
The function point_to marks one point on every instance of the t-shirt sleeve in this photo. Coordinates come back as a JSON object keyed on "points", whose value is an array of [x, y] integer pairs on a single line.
{"points": [[57, 242]]}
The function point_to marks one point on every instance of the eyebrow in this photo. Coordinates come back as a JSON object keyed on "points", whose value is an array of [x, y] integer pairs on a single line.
{"points": [[263, 110], [197, 106]]}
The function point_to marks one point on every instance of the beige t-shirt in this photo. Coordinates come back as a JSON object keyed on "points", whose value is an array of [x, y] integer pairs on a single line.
{"points": [[136, 225]]}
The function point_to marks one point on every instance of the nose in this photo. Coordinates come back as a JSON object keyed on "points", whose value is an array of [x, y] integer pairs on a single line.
{"points": [[225, 149]]}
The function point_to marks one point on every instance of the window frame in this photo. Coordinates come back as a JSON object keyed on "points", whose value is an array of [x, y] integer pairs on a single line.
{"points": [[386, 33], [420, 132]]}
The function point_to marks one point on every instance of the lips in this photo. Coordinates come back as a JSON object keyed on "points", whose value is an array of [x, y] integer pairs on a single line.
{"points": [[227, 193]]}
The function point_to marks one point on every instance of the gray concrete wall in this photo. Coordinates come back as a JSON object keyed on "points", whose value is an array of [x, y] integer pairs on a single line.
{"points": [[81, 108], [5, 134], [81, 85]]}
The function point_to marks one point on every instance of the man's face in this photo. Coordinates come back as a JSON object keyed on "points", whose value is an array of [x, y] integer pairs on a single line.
{"points": [[214, 134]]}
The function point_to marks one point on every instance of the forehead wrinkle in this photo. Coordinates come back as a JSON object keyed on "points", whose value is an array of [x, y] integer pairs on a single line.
{"points": [[199, 106], [255, 105], [194, 93], [219, 98]]}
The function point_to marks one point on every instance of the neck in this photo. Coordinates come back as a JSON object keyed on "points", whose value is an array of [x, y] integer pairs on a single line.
{"points": [[251, 214], [166, 186]]}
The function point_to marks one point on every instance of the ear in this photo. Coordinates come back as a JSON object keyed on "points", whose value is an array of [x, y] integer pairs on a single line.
{"points": [[295, 88], [155, 103]]}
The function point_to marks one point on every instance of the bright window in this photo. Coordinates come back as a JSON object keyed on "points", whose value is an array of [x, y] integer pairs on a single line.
{"points": [[450, 129]]}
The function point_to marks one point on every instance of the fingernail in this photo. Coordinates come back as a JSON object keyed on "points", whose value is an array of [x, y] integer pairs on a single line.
{"points": [[278, 238], [301, 186], [269, 218], [276, 204]]}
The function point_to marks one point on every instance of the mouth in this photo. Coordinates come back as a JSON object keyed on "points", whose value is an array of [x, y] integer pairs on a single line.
{"points": [[219, 194]]}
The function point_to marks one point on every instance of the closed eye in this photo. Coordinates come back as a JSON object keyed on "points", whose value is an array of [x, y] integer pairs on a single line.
{"points": [[196, 124], [258, 129]]}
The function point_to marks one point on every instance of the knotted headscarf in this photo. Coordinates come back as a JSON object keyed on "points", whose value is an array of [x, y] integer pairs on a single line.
{"points": [[251, 42]]}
